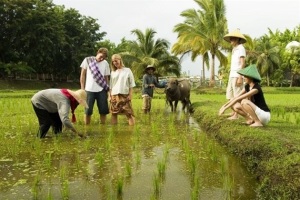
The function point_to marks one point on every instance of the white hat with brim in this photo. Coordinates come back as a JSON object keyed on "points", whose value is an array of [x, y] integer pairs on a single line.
{"points": [[80, 96], [236, 34], [150, 67], [250, 71]]}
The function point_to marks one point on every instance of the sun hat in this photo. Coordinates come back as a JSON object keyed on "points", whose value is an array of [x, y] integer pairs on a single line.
{"points": [[149, 67], [237, 34], [80, 96], [250, 71]]}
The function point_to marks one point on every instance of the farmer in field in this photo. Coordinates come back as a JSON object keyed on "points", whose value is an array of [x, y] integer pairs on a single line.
{"points": [[149, 83], [250, 103], [52, 107]]}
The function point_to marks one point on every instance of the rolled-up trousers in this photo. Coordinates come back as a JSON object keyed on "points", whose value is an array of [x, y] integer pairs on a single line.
{"points": [[47, 119]]}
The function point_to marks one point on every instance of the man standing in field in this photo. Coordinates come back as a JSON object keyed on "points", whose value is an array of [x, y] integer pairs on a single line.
{"points": [[238, 56], [94, 78]]}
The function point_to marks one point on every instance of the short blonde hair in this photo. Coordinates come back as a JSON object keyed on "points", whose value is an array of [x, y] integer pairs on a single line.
{"points": [[118, 57]]}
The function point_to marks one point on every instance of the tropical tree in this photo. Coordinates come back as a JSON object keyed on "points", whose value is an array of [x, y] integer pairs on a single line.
{"points": [[268, 59], [292, 59], [202, 32], [145, 50]]}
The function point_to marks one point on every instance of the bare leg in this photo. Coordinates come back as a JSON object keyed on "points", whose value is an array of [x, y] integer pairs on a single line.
{"points": [[114, 118], [102, 119], [234, 115], [237, 110], [131, 120], [249, 108], [87, 119]]}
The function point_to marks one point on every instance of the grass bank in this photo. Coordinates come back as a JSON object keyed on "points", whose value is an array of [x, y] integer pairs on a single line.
{"points": [[271, 153]]}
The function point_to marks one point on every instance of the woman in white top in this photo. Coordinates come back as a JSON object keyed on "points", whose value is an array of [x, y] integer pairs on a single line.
{"points": [[121, 90]]}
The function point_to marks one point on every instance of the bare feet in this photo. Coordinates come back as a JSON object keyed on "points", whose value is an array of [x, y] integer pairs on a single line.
{"points": [[249, 121], [233, 117], [256, 124]]}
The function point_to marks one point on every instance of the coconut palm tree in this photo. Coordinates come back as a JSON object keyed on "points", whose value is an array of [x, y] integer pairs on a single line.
{"points": [[268, 59], [292, 59], [202, 32], [145, 50]]}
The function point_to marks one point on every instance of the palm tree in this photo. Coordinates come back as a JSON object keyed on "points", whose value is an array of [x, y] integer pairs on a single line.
{"points": [[147, 51], [185, 46], [202, 32], [268, 59], [292, 59]]}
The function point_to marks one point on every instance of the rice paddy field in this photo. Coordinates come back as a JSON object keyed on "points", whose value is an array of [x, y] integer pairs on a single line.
{"points": [[164, 156]]}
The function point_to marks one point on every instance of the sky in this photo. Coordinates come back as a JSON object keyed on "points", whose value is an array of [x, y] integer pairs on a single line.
{"points": [[119, 17]]}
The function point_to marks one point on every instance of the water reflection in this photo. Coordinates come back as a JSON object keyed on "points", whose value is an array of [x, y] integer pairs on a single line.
{"points": [[127, 162]]}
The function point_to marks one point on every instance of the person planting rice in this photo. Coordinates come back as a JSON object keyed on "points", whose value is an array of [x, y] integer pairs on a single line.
{"points": [[52, 107], [250, 102]]}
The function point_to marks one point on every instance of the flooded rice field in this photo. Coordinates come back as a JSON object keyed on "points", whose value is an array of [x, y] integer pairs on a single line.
{"points": [[164, 156]]}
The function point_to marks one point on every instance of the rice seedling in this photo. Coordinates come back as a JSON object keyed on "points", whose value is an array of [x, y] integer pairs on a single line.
{"points": [[166, 152], [161, 168], [156, 182], [195, 187], [128, 169], [109, 191], [77, 162], [120, 184], [47, 159], [108, 143], [63, 172], [138, 158], [87, 144], [99, 157], [212, 152], [226, 178], [36, 186], [49, 195]]}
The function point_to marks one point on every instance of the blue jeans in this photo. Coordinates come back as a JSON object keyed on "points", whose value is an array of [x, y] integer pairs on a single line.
{"points": [[102, 103]]}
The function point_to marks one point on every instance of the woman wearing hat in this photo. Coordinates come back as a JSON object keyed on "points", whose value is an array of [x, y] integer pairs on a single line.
{"points": [[52, 107], [250, 103], [149, 82], [235, 81]]}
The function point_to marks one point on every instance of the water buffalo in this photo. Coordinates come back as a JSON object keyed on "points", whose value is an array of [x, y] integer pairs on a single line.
{"points": [[178, 90]]}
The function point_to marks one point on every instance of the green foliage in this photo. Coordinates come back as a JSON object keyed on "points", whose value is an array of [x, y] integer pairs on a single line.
{"points": [[46, 37]]}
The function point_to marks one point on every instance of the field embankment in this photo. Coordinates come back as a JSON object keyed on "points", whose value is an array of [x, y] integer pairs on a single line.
{"points": [[271, 153]]}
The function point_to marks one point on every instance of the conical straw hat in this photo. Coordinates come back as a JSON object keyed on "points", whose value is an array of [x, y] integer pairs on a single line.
{"points": [[250, 71], [80, 96], [237, 34], [150, 67]]}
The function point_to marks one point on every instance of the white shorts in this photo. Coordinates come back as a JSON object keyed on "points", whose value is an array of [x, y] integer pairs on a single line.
{"points": [[263, 116]]}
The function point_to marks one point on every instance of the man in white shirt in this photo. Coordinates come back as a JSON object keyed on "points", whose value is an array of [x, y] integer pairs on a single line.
{"points": [[238, 56], [94, 78]]}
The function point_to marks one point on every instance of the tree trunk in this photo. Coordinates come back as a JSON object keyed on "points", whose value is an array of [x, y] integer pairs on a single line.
{"points": [[212, 72], [203, 70], [292, 78]]}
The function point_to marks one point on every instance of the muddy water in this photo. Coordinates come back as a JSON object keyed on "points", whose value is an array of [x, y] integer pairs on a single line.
{"points": [[164, 156]]}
